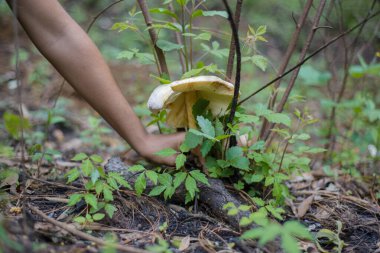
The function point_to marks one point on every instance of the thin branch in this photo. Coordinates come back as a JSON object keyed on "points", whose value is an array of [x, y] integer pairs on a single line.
{"points": [[231, 56], [83, 235], [153, 36], [288, 54], [179, 40], [321, 48], [16, 40], [235, 34], [294, 76], [101, 13]]}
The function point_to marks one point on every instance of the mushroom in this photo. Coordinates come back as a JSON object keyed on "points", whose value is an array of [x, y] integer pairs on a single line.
{"points": [[180, 96]]}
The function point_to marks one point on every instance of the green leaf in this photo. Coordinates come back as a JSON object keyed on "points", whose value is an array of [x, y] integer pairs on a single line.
{"points": [[223, 14], [234, 152], [91, 200], [257, 146], [245, 221], [191, 141], [240, 163], [163, 11], [180, 161], [98, 216], [79, 157], [96, 158], [120, 179], [14, 123], [87, 167], [95, 176], [289, 244], [157, 190], [136, 168], [296, 229], [80, 219], [166, 152], [196, 132], [179, 178], [72, 175], [279, 118], [248, 119], [110, 209], [206, 147], [191, 186], [271, 232], [107, 193], [152, 175], [203, 36], [260, 61], [74, 199], [206, 126], [199, 176], [200, 107], [165, 179], [167, 45], [253, 233], [140, 184]]}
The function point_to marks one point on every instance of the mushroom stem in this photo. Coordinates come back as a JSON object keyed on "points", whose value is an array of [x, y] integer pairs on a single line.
{"points": [[190, 100]]}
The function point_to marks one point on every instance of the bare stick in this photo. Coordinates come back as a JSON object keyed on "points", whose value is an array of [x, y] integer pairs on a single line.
{"points": [[153, 36], [18, 81], [231, 56], [179, 40], [83, 235], [235, 34], [289, 52], [321, 48]]}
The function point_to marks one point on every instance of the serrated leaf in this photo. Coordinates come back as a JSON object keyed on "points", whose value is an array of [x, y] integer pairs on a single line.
{"points": [[91, 200], [140, 184], [245, 221], [79, 157], [74, 199], [179, 178], [240, 163], [98, 216], [165, 179], [180, 161], [80, 219], [136, 168], [289, 244], [167, 45], [87, 167], [223, 14], [234, 152], [152, 175], [199, 176], [96, 158], [107, 193], [278, 118], [196, 132], [203, 36], [260, 61], [166, 152], [72, 175], [206, 126], [191, 186], [253, 233], [157, 190], [295, 228], [110, 209], [206, 147], [258, 201], [192, 140]]}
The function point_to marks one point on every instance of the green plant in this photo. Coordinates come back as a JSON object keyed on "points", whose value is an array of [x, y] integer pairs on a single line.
{"points": [[93, 135], [161, 247], [328, 237], [99, 188]]}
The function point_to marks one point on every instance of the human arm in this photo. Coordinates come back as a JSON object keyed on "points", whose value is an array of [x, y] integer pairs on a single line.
{"points": [[68, 48]]}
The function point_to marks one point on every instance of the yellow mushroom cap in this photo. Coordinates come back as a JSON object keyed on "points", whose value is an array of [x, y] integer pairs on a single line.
{"points": [[180, 96]]}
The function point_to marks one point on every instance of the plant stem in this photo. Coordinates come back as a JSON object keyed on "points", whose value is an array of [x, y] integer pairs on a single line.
{"points": [[179, 41], [153, 36], [289, 52], [231, 56], [235, 98]]}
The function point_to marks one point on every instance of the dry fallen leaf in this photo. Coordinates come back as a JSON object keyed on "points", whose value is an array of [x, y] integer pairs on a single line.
{"points": [[185, 243], [304, 206]]}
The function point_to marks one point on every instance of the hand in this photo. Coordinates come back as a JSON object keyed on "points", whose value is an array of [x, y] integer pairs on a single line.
{"points": [[154, 143]]}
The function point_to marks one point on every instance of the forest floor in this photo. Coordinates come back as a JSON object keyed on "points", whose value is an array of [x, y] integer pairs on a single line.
{"points": [[36, 217]]}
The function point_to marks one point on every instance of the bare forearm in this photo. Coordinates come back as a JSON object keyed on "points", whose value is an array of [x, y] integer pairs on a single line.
{"points": [[78, 60]]}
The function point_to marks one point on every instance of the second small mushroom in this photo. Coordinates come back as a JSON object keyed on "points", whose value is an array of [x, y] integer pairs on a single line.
{"points": [[180, 96]]}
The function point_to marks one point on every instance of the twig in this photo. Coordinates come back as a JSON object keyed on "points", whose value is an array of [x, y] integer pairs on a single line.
{"points": [[321, 48], [18, 82], [179, 41], [288, 54], [231, 56], [153, 36], [235, 34], [83, 235]]}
